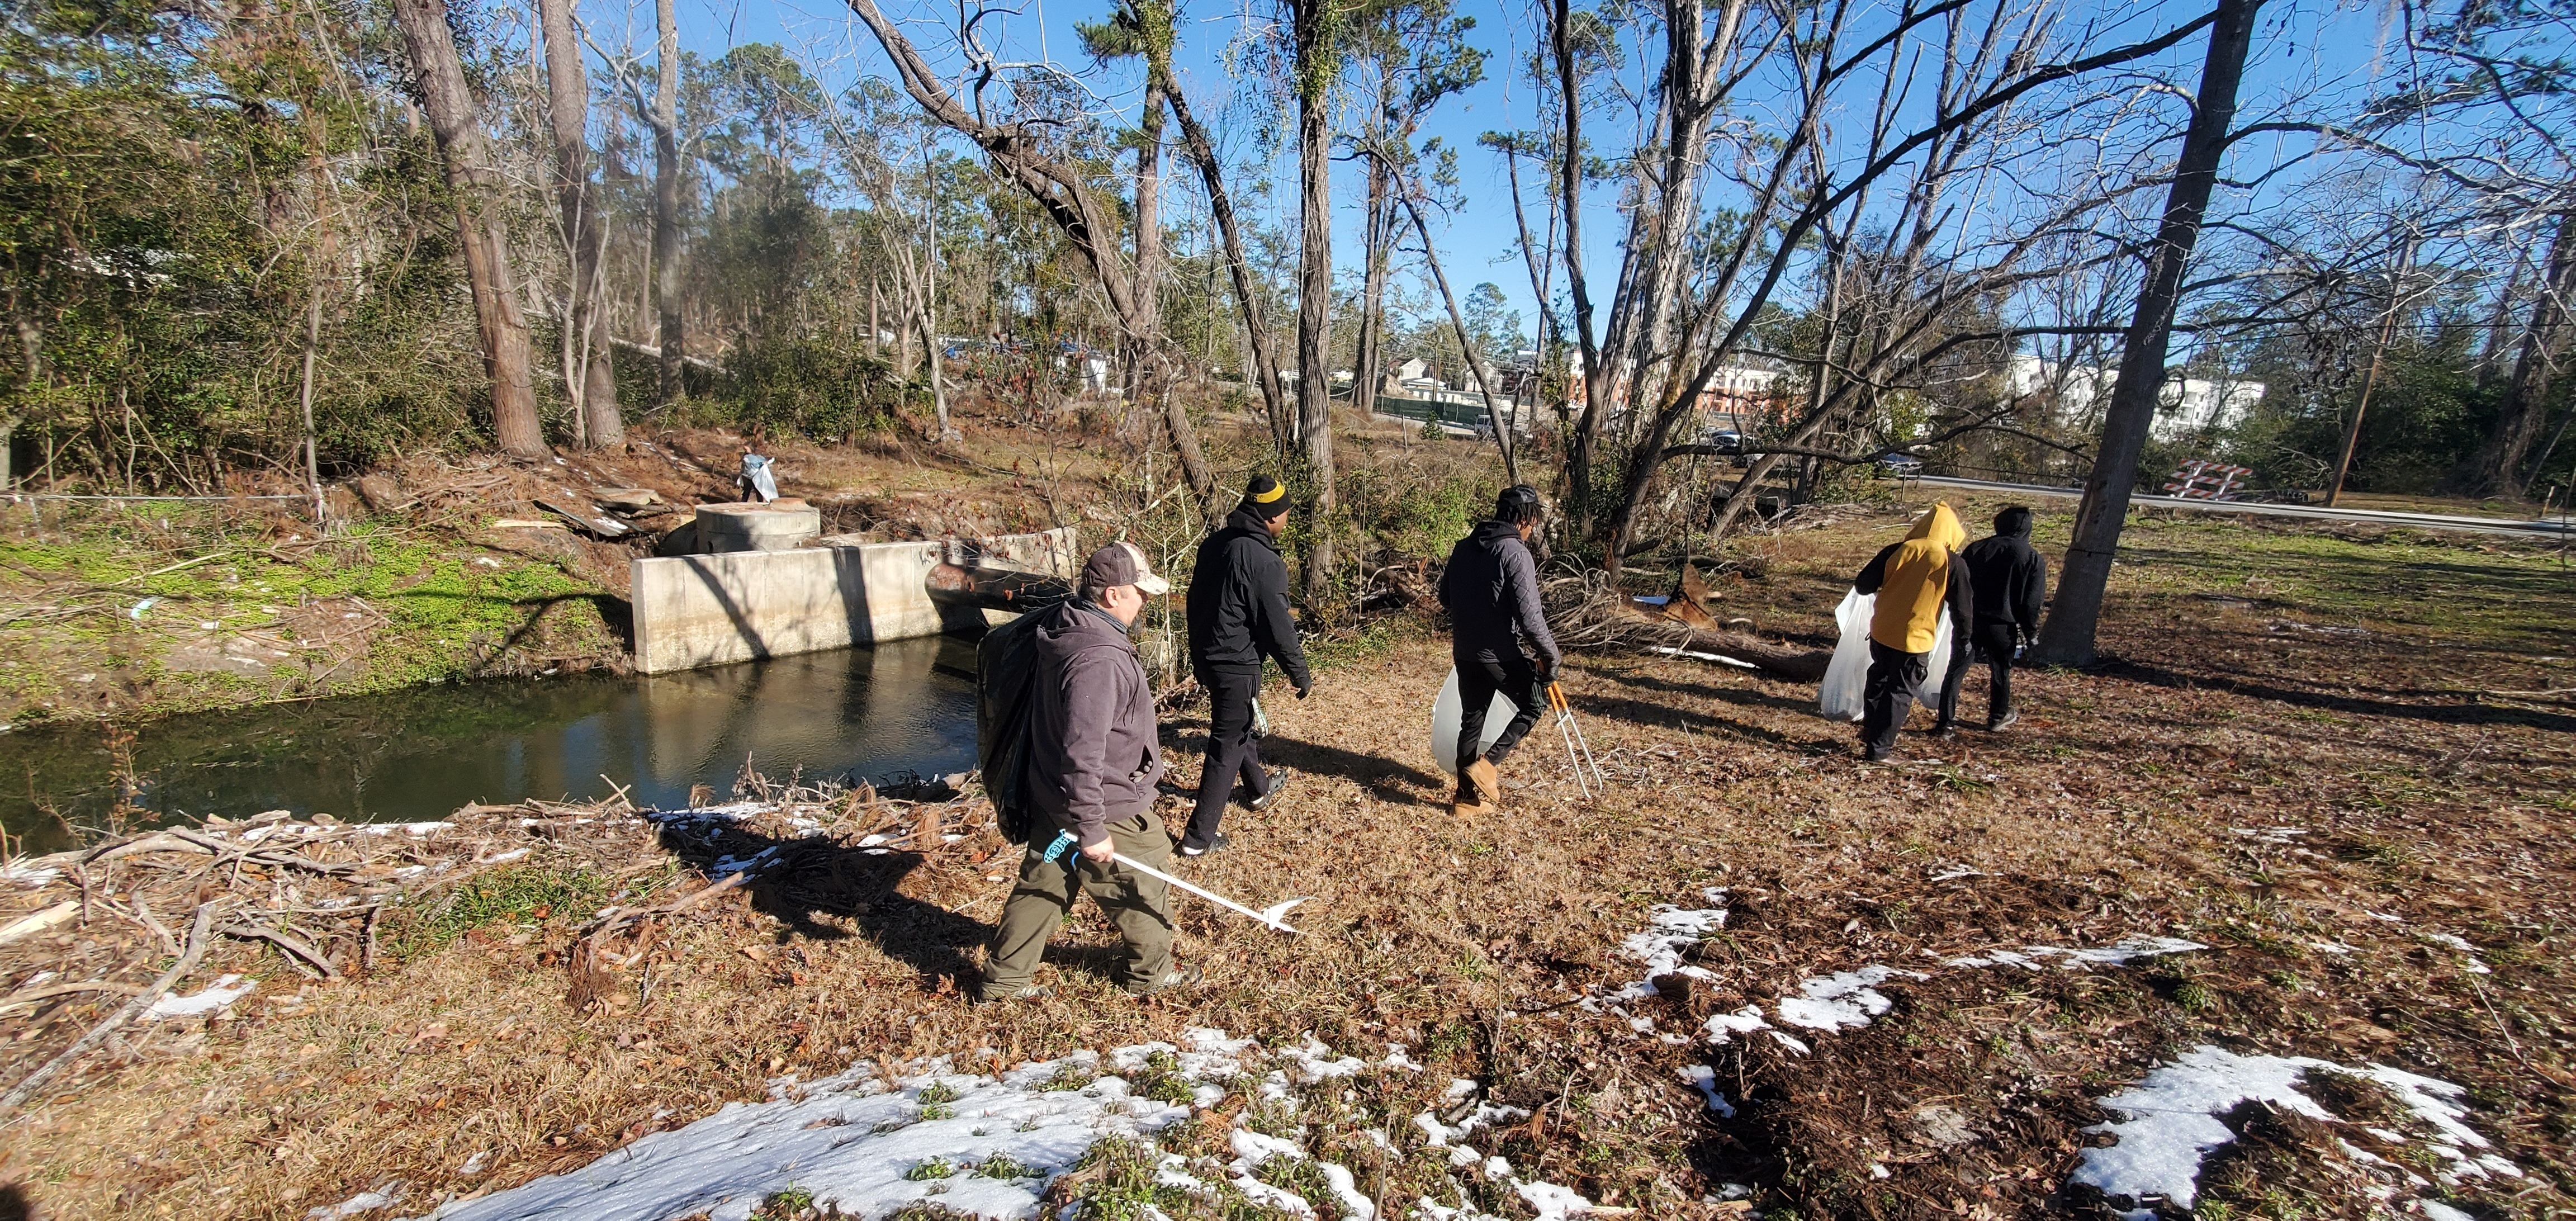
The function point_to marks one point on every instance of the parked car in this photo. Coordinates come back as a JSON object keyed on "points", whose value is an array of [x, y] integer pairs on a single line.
{"points": [[1723, 440], [1900, 464]]}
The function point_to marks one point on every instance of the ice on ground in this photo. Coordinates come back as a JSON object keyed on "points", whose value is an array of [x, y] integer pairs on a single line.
{"points": [[30, 876], [2457, 942], [1704, 1079], [217, 996], [865, 1144], [1669, 931], [850, 1140], [2119, 953], [1842, 1000], [2172, 1121]]}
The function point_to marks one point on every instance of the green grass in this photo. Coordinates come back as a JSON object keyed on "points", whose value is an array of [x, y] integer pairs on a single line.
{"points": [[447, 607], [510, 895]]}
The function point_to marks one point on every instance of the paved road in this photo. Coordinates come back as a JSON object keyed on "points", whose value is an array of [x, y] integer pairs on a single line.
{"points": [[2420, 521]]}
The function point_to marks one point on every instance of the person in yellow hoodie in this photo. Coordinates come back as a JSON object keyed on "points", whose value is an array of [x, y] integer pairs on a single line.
{"points": [[1915, 579]]}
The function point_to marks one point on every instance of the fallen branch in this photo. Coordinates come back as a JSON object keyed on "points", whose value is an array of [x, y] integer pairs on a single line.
{"points": [[19, 1094]]}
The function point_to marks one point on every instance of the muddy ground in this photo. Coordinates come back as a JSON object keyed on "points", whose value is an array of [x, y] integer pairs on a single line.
{"points": [[2338, 759]]}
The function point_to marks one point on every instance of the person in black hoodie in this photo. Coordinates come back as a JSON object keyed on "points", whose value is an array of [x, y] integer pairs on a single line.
{"points": [[1491, 590], [2010, 583], [1238, 612]]}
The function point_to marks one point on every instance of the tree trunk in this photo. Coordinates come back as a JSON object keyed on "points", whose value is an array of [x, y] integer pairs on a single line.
{"points": [[1149, 241], [1315, 289], [568, 112], [1587, 427], [1238, 267], [2076, 612], [1475, 361], [1377, 236], [477, 185], [666, 205], [2496, 470]]}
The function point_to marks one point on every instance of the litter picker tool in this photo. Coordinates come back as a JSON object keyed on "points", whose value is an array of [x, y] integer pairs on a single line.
{"points": [[1272, 915], [1572, 731]]}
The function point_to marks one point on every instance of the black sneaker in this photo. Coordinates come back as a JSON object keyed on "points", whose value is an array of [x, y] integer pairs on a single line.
{"points": [[1190, 849], [1945, 731], [1881, 756], [1278, 785], [1180, 977]]}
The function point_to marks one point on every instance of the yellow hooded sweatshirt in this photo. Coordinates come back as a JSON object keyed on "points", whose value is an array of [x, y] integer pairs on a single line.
{"points": [[1917, 579]]}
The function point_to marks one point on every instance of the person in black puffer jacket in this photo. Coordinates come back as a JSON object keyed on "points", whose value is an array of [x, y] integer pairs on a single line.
{"points": [[1491, 590], [1238, 613], [2010, 583]]}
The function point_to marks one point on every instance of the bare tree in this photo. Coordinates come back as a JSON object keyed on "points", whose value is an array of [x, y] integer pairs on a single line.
{"points": [[453, 118], [2067, 636], [588, 369], [1062, 190], [1316, 68], [1238, 267], [664, 118]]}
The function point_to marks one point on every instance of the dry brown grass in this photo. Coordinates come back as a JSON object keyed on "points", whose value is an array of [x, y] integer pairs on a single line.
{"points": [[2109, 811]]}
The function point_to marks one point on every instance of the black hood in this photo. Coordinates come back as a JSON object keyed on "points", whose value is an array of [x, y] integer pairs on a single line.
{"points": [[1496, 530], [2013, 522], [1242, 519]]}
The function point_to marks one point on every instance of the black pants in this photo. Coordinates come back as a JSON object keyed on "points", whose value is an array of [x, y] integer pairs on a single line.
{"points": [[1232, 750], [1994, 641], [1889, 694], [1478, 680]]}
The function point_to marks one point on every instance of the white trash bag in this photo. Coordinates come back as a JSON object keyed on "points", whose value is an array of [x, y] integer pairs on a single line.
{"points": [[1839, 697], [1449, 709]]}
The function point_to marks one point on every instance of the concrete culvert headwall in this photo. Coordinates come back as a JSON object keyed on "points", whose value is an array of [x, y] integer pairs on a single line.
{"points": [[705, 610]]}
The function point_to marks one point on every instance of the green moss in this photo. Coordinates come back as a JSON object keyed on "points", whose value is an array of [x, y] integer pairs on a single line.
{"points": [[512, 894]]}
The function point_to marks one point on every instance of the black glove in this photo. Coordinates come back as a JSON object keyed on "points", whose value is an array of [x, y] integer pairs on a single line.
{"points": [[1306, 688]]}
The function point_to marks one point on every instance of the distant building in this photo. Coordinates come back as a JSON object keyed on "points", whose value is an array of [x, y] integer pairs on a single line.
{"points": [[1738, 397], [2078, 394]]}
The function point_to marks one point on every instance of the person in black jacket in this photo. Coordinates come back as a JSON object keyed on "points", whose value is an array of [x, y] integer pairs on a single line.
{"points": [[1491, 590], [1238, 610], [2011, 584]]}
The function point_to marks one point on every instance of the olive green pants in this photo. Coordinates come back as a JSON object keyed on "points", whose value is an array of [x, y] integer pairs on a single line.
{"points": [[1140, 906]]}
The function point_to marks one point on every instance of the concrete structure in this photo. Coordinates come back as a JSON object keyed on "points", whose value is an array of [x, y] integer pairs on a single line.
{"points": [[780, 525], [704, 610]]}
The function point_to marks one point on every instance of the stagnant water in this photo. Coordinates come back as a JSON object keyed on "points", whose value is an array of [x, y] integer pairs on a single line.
{"points": [[906, 707]]}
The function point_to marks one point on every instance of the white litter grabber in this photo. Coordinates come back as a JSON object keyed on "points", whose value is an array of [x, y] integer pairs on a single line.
{"points": [[1572, 731], [1065, 842]]}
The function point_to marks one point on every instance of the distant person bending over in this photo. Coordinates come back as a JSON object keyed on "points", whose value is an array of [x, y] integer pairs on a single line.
{"points": [[1093, 760], [1239, 615], [1914, 579], [2011, 581], [1491, 590]]}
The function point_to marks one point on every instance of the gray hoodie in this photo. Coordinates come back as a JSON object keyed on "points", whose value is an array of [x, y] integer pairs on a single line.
{"points": [[1093, 753]]}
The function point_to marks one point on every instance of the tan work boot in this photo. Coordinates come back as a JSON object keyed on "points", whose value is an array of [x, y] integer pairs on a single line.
{"points": [[1479, 781]]}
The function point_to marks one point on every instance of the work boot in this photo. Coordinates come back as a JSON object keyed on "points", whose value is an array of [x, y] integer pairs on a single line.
{"points": [[1945, 731], [1032, 992], [1480, 778], [1998, 724], [1178, 977]]}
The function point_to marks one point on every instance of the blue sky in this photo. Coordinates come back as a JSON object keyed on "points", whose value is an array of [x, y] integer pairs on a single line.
{"points": [[2308, 55]]}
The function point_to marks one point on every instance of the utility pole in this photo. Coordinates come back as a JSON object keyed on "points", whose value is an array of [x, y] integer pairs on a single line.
{"points": [[2369, 380]]}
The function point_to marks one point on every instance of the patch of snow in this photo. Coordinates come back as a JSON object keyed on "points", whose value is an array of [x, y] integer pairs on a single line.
{"points": [[1842, 1000], [744, 864], [1552, 1201], [2330, 947], [2119, 953], [2172, 1120], [217, 996], [29, 876], [511, 855], [1704, 1079], [1953, 875], [1669, 931]]}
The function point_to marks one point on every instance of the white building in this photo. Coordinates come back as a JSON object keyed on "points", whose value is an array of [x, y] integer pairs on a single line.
{"points": [[2188, 406]]}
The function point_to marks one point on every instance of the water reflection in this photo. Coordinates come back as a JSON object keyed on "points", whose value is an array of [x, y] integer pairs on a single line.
{"points": [[906, 706]]}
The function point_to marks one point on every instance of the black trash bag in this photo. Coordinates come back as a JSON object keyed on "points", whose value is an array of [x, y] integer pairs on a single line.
{"points": [[1005, 696]]}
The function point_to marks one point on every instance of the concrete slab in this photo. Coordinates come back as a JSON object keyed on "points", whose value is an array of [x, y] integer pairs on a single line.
{"points": [[704, 610]]}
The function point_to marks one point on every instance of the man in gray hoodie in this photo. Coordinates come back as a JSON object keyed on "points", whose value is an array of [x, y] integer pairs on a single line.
{"points": [[1093, 761], [1491, 590]]}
